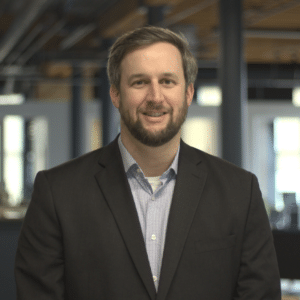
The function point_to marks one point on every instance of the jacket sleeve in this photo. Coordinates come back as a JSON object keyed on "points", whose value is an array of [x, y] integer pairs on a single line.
{"points": [[259, 277], [39, 261]]}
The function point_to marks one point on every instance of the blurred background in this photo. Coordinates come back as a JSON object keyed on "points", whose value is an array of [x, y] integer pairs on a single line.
{"points": [[55, 105]]}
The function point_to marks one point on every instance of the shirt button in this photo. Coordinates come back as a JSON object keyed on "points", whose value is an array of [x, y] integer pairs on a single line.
{"points": [[153, 198], [153, 237], [154, 278]]}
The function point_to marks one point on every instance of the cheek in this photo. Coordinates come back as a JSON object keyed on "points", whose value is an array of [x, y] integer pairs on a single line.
{"points": [[134, 100]]}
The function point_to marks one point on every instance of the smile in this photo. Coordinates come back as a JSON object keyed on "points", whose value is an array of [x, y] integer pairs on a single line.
{"points": [[154, 117], [154, 114]]}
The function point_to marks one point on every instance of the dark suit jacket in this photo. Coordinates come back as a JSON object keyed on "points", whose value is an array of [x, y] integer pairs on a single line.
{"points": [[81, 237]]}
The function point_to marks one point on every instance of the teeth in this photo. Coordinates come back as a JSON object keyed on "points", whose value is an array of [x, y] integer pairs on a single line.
{"points": [[155, 115]]}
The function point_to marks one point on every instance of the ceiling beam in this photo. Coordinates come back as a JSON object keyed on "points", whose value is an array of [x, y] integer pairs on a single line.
{"points": [[83, 30], [259, 15], [124, 16], [272, 34], [41, 42], [176, 18], [20, 25], [109, 24], [266, 34], [74, 57], [24, 44], [77, 35]]}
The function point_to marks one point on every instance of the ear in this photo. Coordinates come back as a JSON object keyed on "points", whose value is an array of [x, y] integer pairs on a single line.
{"points": [[114, 96], [190, 94]]}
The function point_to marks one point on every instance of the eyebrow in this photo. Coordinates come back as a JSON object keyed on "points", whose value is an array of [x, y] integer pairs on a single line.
{"points": [[166, 74]]}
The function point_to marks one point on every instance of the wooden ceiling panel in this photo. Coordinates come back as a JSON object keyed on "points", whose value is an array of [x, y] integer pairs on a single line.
{"points": [[129, 22], [273, 14], [121, 13], [206, 20], [266, 4], [285, 20], [262, 50], [191, 6]]}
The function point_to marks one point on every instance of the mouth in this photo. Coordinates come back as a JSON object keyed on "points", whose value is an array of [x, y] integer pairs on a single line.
{"points": [[154, 114], [155, 117]]}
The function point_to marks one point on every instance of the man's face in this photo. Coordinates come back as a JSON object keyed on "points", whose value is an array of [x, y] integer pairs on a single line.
{"points": [[152, 102]]}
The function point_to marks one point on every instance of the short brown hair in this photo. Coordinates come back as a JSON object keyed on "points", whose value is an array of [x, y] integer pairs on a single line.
{"points": [[149, 35]]}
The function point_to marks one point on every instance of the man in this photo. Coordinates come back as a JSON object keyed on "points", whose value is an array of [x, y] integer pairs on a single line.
{"points": [[147, 217]]}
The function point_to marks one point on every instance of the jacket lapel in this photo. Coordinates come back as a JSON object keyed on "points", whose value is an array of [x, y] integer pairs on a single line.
{"points": [[116, 190], [190, 182]]}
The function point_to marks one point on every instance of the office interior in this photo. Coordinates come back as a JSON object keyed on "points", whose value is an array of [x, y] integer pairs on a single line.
{"points": [[55, 105]]}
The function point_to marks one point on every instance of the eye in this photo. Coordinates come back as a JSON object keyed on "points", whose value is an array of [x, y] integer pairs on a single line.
{"points": [[138, 82], [168, 81]]}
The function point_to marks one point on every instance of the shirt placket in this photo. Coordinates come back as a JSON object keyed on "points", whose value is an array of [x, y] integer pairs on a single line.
{"points": [[153, 224], [153, 235]]}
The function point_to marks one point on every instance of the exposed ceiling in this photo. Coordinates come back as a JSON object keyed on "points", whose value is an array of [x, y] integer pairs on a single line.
{"points": [[46, 37]]}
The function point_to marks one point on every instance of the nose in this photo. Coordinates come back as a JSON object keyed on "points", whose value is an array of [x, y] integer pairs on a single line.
{"points": [[155, 92]]}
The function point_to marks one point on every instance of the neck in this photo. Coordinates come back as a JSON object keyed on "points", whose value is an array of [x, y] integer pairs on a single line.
{"points": [[153, 161]]}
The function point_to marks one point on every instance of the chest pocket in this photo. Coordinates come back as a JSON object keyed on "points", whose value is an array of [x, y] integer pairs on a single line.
{"points": [[214, 244]]}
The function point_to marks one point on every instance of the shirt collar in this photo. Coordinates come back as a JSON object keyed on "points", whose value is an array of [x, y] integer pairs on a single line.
{"points": [[129, 161]]}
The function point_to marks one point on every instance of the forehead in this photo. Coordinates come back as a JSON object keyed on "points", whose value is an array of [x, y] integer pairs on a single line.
{"points": [[156, 48], [160, 52]]}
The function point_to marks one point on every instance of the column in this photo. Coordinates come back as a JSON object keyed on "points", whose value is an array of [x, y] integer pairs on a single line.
{"points": [[77, 115], [110, 115], [233, 79]]}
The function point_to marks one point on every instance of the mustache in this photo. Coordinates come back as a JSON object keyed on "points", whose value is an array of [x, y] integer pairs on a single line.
{"points": [[153, 106]]}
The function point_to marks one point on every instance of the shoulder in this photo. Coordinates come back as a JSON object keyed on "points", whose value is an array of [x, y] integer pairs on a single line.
{"points": [[216, 167], [85, 166]]}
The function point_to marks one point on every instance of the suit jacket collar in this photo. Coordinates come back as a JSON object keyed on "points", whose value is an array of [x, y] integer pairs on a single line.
{"points": [[128, 160], [188, 188]]}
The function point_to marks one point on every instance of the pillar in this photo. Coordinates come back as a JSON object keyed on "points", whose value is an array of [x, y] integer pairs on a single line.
{"points": [[77, 115], [233, 79]]}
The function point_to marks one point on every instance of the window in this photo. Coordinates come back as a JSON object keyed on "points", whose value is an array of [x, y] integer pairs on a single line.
{"points": [[24, 152], [287, 161], [13, 167], [209, 95], [201, 133]]}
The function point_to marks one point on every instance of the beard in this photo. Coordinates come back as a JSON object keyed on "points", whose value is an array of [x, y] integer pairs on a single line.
{"points": [[158, 137]]}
